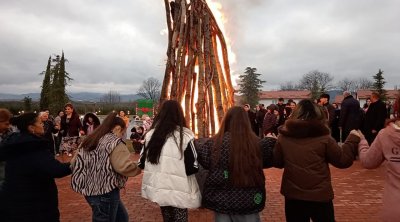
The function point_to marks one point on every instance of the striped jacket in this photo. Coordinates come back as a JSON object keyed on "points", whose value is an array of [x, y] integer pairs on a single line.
{"points": [[93, 173]]}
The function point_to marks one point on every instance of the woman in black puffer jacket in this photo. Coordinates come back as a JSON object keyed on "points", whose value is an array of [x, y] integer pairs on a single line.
{"points": [[29, 190]]}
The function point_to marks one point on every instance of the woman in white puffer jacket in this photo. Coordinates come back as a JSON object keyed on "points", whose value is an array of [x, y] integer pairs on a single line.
{"points": [[169, 161]]}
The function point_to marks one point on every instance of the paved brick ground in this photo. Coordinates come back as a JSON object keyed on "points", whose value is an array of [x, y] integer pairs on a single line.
{"points": [[358, 197]]}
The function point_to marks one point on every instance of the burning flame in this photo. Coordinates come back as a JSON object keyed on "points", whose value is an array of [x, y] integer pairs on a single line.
{"points": [[216, 9], [221, 20]]}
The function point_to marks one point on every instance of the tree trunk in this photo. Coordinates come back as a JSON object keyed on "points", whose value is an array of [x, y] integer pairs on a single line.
{"points": [[195, 75]]}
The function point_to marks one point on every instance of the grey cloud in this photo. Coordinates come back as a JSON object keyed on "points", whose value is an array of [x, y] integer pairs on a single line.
{"points": [[118, 44]]}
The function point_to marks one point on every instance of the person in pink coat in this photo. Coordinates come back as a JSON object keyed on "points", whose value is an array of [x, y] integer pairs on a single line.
{"points": [[386, 146]]}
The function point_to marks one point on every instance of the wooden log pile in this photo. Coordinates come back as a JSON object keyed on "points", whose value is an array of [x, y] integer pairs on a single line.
{"points": [[197, 70]]}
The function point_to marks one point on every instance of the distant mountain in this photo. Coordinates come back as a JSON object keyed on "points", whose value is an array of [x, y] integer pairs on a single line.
{"points": [[16, 97], [80, 96]]}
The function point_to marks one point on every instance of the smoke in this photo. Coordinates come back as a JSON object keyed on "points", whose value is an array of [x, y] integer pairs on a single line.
{"points": [[255, 2], [237, 13]]}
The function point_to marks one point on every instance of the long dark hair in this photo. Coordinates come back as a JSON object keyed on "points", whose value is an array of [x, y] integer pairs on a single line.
{"points": [[91, 141], [308, 110], [95, 119], [169, 118], [25, 120], [74, 114], [245, 157]]}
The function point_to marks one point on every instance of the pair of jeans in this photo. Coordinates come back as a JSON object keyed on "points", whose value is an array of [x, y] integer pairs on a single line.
{"points": [[237, 217], [107, 207], [303, 211]]}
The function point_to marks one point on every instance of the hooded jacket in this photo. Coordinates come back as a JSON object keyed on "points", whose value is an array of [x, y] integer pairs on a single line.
{"points": [[304, 149], [386, 146], [29, 191]]}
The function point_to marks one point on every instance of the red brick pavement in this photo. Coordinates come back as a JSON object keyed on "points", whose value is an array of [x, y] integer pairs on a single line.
{"points": [[358, 197]]}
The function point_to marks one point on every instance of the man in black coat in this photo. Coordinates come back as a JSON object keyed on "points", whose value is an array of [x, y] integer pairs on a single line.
{"points": [[350, 115], [261, 111], [374, 118], [252, 118], [281, 110], [330, 115]]}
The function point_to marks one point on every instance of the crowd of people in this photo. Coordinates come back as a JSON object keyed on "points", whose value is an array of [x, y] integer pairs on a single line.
{"points": [[303, 139]]}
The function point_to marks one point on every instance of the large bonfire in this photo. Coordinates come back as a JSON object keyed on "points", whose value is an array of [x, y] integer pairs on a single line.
{"points": [[197, 71]]}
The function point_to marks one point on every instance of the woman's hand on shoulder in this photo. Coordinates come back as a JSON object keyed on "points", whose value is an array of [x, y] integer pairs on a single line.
{"points": [[271, 135]]}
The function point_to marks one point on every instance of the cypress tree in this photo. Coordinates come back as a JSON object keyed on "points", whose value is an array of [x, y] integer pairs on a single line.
{"points": [[63, 78], [46, 86], [53, 95], [60, 79]]}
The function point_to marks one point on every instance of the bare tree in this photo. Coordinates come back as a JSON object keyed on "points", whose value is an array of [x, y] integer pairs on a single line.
{"points": [[364, 83], [111, 97], [289, 86], [150, 89], [317, 82], [348, 85], [353, 85]]}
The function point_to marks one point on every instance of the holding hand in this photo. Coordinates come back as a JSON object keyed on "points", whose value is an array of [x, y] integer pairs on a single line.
{"points": [[271, 135], [356, 133], [361, 134]]}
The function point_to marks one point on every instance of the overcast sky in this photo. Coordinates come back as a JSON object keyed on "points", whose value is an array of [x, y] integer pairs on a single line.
{"points": [[115, 45]]}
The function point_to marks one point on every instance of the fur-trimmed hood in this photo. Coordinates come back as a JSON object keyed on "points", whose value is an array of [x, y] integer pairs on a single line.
{"points": [[304, 128]]}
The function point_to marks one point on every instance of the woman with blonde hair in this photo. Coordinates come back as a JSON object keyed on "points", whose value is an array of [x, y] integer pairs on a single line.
{"points": [[102, 167], [235, 157], [305, 149]]}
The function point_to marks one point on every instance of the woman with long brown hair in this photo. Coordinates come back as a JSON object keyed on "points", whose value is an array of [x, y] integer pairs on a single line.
{"points": [[235, 158], [169, 163], [102, 167], [70, 128]]}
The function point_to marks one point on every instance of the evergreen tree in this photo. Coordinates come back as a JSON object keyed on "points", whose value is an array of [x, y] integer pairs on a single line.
{"points": [[250, 86], [60, 80], [379, 84], [46, 87]]}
